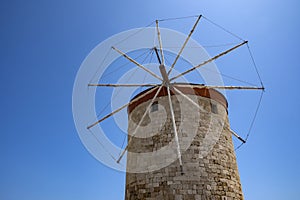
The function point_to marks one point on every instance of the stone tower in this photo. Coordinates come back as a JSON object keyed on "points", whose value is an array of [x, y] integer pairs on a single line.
{"points": [[209, 169]]}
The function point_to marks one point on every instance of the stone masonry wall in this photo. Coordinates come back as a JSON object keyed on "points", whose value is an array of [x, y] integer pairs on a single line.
{"points": [[209, 164]]}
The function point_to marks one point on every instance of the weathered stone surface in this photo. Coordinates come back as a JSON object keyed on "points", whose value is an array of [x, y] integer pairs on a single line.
{"points": [[205, 176]]}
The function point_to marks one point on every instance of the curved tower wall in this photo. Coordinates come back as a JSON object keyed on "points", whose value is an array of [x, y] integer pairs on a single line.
{"points": [[209, 169]]}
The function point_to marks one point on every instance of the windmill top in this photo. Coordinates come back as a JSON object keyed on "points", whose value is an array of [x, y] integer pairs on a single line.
{"points": [[185, 88], [163, 82]]}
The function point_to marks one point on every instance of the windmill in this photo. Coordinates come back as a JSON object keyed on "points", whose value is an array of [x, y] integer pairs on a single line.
{"points": [[179, 139]]}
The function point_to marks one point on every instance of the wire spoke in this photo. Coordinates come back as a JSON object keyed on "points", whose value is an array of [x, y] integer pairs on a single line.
{"points": [[136, 63], [122, 85], [184, 44], [209, 60], [122, 107], [102, 145], [174, 127], [139, 124], [160, 43]]}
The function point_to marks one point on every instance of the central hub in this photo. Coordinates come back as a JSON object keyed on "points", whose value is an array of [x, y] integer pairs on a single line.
{"points": [[164, 75]]}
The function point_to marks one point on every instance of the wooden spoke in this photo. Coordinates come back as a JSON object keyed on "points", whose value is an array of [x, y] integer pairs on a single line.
{"points": [[195, 104], [174, 126], [136, 63], [208, 61], [184, 44], [122, 107], [139, 124], [237, 136], [232, 87], [160, 44], [174, 89], [123, 85]]}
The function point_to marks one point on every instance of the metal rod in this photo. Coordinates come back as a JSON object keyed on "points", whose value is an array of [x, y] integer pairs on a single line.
{"points": [[209, 60], [123, 85], [237, 136], [139, 124], [136, 63], [156, 52], [184, 44], [119, 109], [174, 126], [160, 43]]}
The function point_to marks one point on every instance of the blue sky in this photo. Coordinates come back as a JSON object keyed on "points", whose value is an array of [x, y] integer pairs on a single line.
{"points": [[42, 46]]}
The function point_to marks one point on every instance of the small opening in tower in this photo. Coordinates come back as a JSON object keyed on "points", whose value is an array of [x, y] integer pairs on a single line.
{"points": [[214, 108], [154, 106]]}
